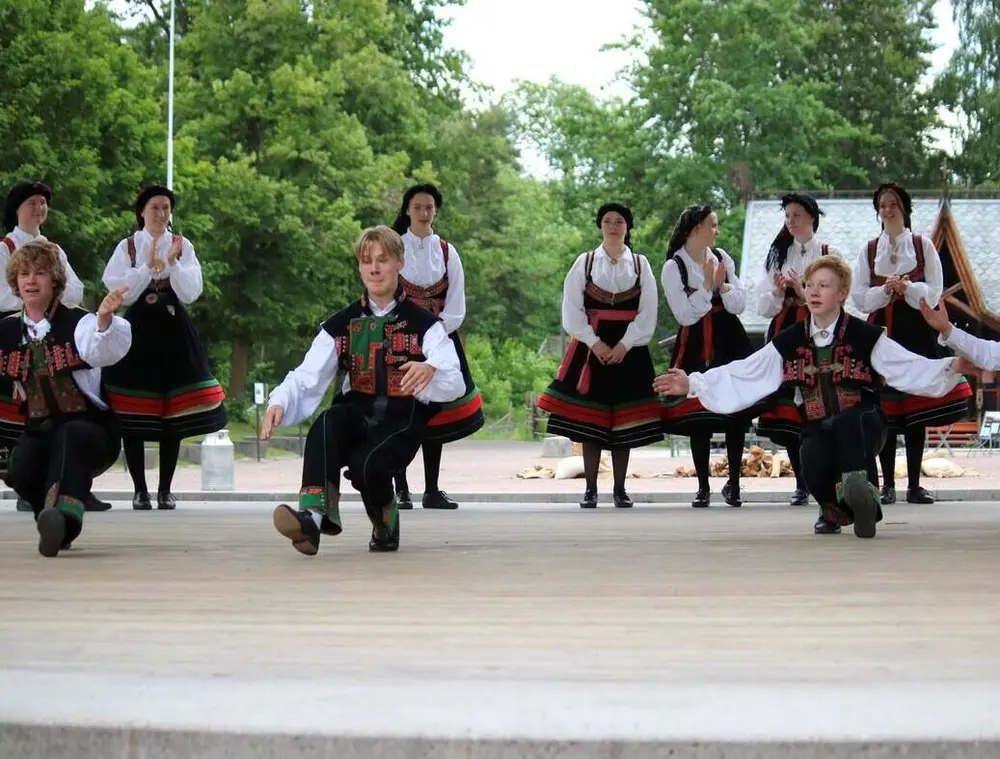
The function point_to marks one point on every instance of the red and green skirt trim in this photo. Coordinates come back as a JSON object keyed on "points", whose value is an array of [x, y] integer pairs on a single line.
{"points": [[622, 425], [687, 416], [458, 419], [903, 410], [195, 409]]}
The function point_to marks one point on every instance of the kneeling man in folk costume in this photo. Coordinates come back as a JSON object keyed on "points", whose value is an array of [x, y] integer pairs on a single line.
{"points": [[400, 366], [837, 365]]}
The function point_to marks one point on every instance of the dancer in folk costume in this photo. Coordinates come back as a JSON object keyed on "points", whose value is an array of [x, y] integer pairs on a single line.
{"points": [[25, 210], [705, 296], [164, 389], [601, 396], [781, 298], [433, 277], [53, 354], [985, 354], [400, 367], [836, 364], [893, 273]]}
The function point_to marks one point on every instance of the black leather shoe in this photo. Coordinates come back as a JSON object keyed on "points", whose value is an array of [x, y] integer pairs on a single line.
{"points": [[141, 502], [51, 532], [622, 500], [438, 500], [731, 495], [822, 527], [702, 498], [166, 501], [93, 503], [863, 501], [589, 499], [918, 495], [23, 505], [800, 497], [403, 499], [299, 527], [888, 495], [382, 543]]}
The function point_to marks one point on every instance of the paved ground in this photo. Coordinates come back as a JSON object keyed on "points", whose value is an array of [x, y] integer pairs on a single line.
{"points": [[514, 621], [491, 467]]}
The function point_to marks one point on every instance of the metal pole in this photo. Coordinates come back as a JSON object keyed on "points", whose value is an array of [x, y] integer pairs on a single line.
{"points": [[256, 411], [170, 105]]}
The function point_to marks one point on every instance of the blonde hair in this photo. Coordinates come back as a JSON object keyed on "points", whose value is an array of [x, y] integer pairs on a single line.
{"points": [[42, 256], [382, 236], [836, 264]]}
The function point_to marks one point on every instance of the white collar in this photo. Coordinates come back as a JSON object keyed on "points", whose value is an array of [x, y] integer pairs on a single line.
{"points": [[36, 330], [822, 332], [24, 238], [600, 252], [378, 311]]}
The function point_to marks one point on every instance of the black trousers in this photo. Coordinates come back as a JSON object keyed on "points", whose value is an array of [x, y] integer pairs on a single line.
{"points": [[55, 463], [345, 436], [846, 442]]}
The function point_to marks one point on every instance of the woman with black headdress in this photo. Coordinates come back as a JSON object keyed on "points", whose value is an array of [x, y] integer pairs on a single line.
{"points": [[602, 395], [164, 389], [705, 296], [893, 274], [433, 277], [781, 298]]}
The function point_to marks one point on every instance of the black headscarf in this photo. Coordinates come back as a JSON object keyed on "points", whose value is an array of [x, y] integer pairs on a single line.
{"points": [[625, 212], [16, 197], [901, 193], [689, 219], [146, 195], [402, 222], [778, 252]]}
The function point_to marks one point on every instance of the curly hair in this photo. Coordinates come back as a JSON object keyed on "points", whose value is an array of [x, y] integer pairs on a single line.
{"points": [[41, 256]]}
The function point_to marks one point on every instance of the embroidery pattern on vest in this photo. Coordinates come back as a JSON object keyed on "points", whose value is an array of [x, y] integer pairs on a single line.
{"points": [[373, 344]]}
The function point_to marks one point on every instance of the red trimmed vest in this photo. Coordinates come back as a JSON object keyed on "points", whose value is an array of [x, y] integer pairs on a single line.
{"points": [[431, 297]]}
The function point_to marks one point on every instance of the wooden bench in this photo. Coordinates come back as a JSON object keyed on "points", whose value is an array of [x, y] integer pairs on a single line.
{"points": [[961, 434]]}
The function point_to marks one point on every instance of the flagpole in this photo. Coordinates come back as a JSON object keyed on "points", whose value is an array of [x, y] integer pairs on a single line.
{"points": [[170, 105]]}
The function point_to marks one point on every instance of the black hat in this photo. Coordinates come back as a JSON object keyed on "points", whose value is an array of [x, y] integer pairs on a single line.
{"points": [[805, 200], [619, 208], [16, 197], [146, 195]]}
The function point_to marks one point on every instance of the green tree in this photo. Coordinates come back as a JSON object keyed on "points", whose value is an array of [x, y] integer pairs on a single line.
{"points": [[79, 111]]}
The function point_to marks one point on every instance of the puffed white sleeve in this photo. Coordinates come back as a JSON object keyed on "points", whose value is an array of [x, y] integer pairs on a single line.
{"points": [[687, 309], [983, 353], [735, 298], [640, 330], [8, 301], [912, 373], [102, 348], [304, 386], [574, 318], [185, 275], [932, 286], [768, 304], [73, 294], [453, 313], [119, 272], [739, 384], [447, 383], [865, 297]]}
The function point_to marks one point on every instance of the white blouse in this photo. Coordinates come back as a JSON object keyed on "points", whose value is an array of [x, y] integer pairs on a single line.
{"points": [[869, 299], [184, 274], [423, 265], [798, 258], [739, 384], [73, 294], [95, 347], [303, 388], [615, 278], [689, 309]]}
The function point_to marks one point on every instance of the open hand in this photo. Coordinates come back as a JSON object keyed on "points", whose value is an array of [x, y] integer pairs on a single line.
{"points": [[793, 281], [111, 303], [962, 365], [175, 251], [416, 376], [720, 275], [779, 283], [936, 317], [272, 418], [674, 382], [709, 272]]}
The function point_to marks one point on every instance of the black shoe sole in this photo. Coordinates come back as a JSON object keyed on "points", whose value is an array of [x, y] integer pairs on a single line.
{"points": [[51, 532], [440, 507], [861, 500], [383, 547], [286, 522]]}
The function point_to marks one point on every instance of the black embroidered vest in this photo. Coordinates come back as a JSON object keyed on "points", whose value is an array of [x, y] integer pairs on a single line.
{"points": [[835, 378], [44, 368]]}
